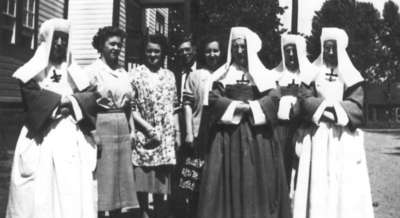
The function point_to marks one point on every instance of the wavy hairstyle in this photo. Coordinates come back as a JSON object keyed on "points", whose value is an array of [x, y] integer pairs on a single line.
{"points": [[103, 34]]}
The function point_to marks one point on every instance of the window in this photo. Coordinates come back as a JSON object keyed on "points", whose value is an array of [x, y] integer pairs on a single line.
{"points": [[17, 21], [160, 23], [9, 7], [28, 23], [8, 20], [28, 14]]}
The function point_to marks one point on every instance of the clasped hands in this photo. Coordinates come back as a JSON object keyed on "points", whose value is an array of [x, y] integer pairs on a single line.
{"points": [[329, 114], [286, 104], [154, 138], [242, 108], [65, 108]]}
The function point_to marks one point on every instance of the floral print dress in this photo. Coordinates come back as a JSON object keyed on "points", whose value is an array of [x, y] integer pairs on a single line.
{"points": [[155, 98]]}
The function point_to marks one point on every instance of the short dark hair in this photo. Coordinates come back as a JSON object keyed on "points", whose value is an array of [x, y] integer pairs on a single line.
{"points": [[157, 39], [202, 48], [103, 34], [186, 38]]}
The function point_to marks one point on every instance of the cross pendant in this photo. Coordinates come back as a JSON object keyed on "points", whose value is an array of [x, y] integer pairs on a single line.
{"points": [[331, 76], [293, 84], [56, 77], [243, 80]]}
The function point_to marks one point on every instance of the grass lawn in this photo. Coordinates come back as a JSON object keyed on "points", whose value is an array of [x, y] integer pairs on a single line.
{"points": [[383, 156]]}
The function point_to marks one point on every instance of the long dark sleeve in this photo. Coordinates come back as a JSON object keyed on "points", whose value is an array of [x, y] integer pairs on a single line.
{"points": [[89, 107], [218, 103], [39, 105], [309, 103], [353, 102]]}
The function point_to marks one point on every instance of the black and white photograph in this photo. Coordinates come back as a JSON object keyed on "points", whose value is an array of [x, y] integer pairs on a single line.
{"points": [[199, 108]]}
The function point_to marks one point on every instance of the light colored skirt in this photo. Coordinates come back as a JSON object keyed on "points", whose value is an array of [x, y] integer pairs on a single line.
{"points": [[116, 185], [332, 179], [54, 178]]}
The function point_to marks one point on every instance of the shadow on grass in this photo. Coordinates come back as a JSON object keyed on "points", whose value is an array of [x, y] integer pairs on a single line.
{"points": [[392, 153], [391, 132]]}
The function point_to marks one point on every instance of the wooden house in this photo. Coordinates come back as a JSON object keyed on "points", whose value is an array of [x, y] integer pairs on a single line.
{"points": [[21, 19]]}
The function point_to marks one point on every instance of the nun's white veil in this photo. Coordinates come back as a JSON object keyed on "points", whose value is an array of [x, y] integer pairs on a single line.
{"points": [[307, 71], [346, 70], [263, 78]]}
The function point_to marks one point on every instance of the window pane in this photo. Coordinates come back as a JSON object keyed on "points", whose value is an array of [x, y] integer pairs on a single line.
{"points": [[11, 7], [24, 18], [31, 20], [32, 5], [160, 23]]}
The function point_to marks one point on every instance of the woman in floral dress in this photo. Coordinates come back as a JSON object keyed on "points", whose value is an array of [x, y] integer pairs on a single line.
{"points": [[158, 129]]}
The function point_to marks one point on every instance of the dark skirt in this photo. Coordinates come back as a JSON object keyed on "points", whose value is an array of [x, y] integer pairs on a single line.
{"points": [[243, 175], [156, 180], [186, 181], [116, 186], [285, 131]]}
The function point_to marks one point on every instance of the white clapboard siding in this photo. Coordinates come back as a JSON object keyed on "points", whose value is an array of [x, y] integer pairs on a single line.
{"points": [[151, 19], [86, 17], [50, 9], [122, 25]]}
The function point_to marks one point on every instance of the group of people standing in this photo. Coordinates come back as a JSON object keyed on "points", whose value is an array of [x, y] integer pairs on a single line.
{"points": [[225, 137]]}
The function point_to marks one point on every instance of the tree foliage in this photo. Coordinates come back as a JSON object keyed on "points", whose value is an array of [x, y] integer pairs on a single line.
{"points": [[361, 22], [218, 16], [387, 47]]}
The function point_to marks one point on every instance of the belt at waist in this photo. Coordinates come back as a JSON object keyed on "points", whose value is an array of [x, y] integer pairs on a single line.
{"points": [[114, 110]]}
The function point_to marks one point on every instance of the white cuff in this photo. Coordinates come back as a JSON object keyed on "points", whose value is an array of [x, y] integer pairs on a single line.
{"points": [[258, 114], [342, 118], [285, 105], [229, 116], [54, 114], [318, 113], [76, 108]]}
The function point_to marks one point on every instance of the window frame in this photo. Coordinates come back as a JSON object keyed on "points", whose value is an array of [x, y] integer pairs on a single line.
{"points": [[23, 37], [160, 23], [7, 6], [27, 12]]}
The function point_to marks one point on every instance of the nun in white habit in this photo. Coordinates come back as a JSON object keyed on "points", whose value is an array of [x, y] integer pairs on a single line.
{"points": [[53, 163], [243, 174], [332, 179]]}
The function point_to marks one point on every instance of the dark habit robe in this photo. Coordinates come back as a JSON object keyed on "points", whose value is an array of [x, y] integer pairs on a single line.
{"points": [[243, 175]]}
